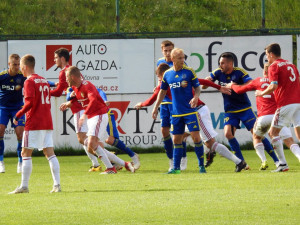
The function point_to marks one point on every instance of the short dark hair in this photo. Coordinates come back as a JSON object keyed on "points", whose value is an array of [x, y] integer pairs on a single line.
{"points": [[13, 56], [227, 55], [163, 67], [63, 52], [28, 60], [274, 48], [167, 43]]}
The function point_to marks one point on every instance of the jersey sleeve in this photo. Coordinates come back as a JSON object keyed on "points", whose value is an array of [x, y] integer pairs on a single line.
{"points": [[102, 94], [209, 83], [62, 85], [240, 89], [153, 98], [245, 76], [29, 89], [164, 85], [195, 80], [273, 73]]}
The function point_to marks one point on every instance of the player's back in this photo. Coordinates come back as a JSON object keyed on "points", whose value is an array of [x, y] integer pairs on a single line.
{"points": [[287, 76], [39, 116]]}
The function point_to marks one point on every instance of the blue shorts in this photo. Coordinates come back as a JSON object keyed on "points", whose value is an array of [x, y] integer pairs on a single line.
{"points": [[166, 115], [247, 117], [8, 114], [191, 121], [111, 126]]}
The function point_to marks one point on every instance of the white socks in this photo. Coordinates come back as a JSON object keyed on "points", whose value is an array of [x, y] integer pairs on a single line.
{"points": [[92, 157], [260, 151], [55, 169], [26, 171], [103, 156], [295, 150], [115, 159], [278, 147], [224, 151]]}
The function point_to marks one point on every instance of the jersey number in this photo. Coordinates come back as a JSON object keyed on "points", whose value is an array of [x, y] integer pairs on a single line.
{"points": [[45, 94], [293, 77], [264, 86]]}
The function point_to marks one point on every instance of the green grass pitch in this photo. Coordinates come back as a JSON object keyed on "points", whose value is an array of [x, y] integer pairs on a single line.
{"points": [[152, 197]]}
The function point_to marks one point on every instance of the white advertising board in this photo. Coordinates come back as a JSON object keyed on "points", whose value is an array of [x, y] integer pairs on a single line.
{"points": [[116, 66], [3, 55]]}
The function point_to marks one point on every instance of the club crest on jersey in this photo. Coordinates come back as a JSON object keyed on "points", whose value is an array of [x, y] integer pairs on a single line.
{"points": [[183, 76], [82, 95]]}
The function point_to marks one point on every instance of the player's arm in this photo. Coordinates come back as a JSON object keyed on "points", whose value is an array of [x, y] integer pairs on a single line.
{"points": [[161, 95], [103, 96], [64, 106], [272, 87], [207, 78], [150, 100], [29, 101], [241, 89], [62, 85]]}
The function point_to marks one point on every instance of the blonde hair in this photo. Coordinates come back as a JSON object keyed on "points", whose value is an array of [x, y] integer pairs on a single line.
{"points": [[176, 51], [74, 71]]}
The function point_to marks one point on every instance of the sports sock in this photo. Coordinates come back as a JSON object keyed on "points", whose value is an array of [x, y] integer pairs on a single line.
{"points": [[120, 145], [19, 150], [103, 156], [278, 147], [55, 169], [168, 145], [26, 171], [269, 149], [92, 157], [295, 150], [235, 147], [113, 158], [199, 150], [224, 151], [1, 148], [177, 155], [184, 149], [259, 148]]}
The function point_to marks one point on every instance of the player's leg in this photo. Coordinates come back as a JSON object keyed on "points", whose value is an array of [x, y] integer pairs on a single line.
{"points": [[183, 162], [296, 124], [114, 140], [166, 118], [19, 133]]}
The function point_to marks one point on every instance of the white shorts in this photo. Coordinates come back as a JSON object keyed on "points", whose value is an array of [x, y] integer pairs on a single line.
{"points": [[287, 115], [83, 127], [97, 127], [39, 139], [207, 130], [263, 124]]}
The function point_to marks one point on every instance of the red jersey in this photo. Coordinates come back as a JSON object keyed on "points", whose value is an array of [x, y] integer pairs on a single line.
{"points": [[206, 83], [88, 95], [37, 104], [153, 98], [62, 83], [266, 105], [286, 76]]}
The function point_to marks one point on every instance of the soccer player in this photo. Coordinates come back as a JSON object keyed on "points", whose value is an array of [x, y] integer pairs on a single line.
{"points": [[112, 131], [184, 103], [11, 101], [61, 59], [166, 49], [266, 107], [165, 112], [208, 134], [284, 82], [38, 126], [237, 107], [95, 112]]}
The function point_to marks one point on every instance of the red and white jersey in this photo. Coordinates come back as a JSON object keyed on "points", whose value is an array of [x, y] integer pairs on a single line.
{"points": [[37, 104], [285, 74], [88, 95], [62, 83], [266, 105]]}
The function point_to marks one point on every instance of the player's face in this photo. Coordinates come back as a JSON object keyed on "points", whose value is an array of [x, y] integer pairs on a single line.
{"points": [[69, 79], [57, 60], [269, 57], [14, 66], [167, 52], [225, 65], [178, 59]]}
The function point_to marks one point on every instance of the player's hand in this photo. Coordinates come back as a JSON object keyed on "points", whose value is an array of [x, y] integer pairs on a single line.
{"points": [[73, 94], [194, 102], [184, 83], [107, 103], [82, 119], [65, 106], [56, 84], [154, 89], [154, 113], [15, 122], [225, 90], [258, 93], [138, 105]]}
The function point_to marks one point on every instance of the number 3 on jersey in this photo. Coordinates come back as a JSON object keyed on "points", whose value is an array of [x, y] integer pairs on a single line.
{"points": [[45, 97], [293, 77]]}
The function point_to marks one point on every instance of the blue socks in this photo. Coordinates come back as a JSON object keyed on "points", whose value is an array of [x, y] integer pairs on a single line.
{"points": [[19, 150], [235, 147], [120, 145], [177, 155], [168, 145], [184, 149], [199, 150], [1, 148], [269, 149]]}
